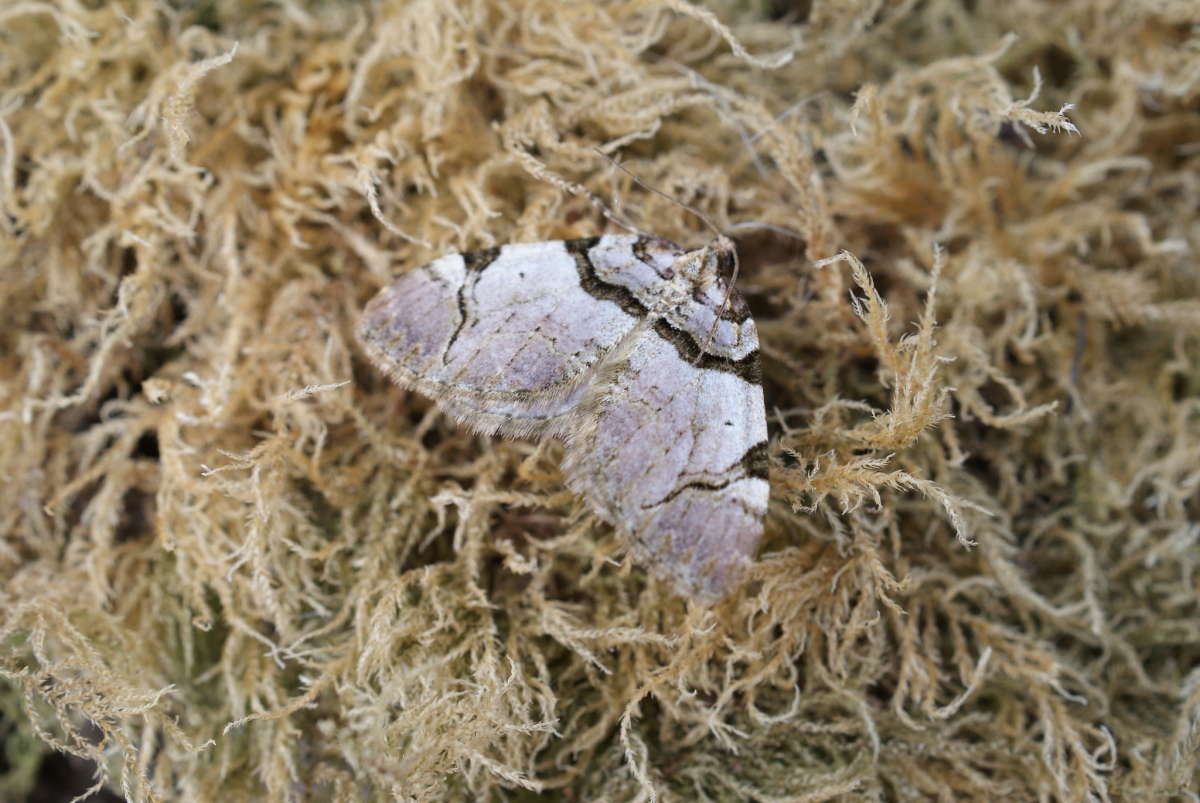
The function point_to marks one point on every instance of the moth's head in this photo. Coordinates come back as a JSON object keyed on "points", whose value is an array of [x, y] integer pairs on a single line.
{"points": [[719, 264], [724, 255]]}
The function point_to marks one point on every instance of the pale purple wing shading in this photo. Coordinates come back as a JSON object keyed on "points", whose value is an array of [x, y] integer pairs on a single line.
{"points": [[674, 453], [498, 335], [533, 416]]}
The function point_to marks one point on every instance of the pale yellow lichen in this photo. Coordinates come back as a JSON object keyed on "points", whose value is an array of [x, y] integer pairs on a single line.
{"points": [[235, 563]]}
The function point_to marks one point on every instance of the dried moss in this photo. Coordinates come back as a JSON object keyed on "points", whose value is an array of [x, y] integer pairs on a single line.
{"points": [[235, 563]]}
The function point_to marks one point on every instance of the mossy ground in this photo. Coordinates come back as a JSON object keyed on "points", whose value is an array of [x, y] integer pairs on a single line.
{"points": [[236, 564]]}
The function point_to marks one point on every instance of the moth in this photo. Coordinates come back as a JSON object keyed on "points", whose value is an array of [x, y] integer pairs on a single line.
{"points": [[637, 354]]}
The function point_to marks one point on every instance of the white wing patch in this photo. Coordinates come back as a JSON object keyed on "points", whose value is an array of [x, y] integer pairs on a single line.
{"points": [[624, 347]]}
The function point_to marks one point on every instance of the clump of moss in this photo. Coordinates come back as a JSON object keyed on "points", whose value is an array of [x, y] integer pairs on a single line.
{"points": [[236, 562]]}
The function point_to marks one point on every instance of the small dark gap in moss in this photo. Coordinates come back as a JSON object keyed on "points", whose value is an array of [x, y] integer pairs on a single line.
{"points": [[22, 171], [789, 12], [1011, 134], [63, 776], [323, 513], [137, 516], [1059, 67]]}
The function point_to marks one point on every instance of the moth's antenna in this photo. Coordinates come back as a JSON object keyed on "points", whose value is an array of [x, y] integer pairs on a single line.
{"points": [[657, 191], [607, 210], [754, 224], [536, 168]]}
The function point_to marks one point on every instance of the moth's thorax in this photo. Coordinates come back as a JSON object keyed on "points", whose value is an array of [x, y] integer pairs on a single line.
{"points": [[702, 272], [709, 264]]}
